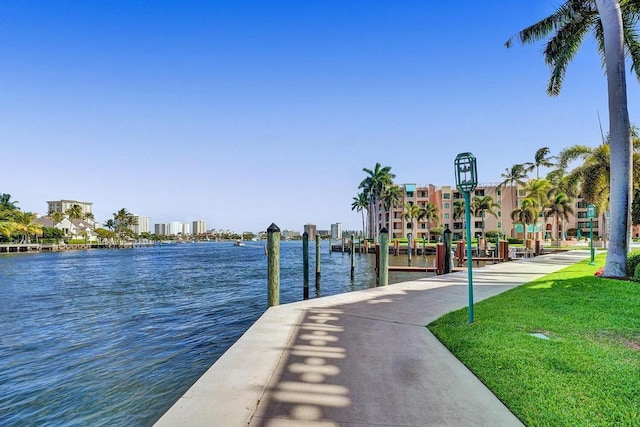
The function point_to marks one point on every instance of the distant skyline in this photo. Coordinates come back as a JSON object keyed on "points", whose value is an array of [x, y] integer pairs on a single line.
{"points": [[244, 114]]}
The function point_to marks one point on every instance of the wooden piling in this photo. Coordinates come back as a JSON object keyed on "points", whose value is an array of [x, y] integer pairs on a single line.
{"points": [[353, 258], [305, 263], [317, 262], [440, 258], [409, 249], [273, 265], [383, 270]]}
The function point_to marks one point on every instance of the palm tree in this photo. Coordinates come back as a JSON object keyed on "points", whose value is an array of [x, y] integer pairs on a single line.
{"points": [[459, 212], [559, 208], [542, 158], [110, 224], [360, 204], [390, 199], [481, 205], [75, 212], [123, 220], [613, 25], [527, 214], [514, 177], [374, 184], [431, 212], [413, 212], [6, 203], [23, 224]]}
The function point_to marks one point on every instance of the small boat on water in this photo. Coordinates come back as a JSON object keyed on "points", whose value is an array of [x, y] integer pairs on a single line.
{"points": [[238, 243]]}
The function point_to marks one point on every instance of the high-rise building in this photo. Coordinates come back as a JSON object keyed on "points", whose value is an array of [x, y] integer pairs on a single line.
{"points": [[199, 227], [143, 224], [174, 228], [186, 229], [160, 229], [310, 229], [336, 231]]}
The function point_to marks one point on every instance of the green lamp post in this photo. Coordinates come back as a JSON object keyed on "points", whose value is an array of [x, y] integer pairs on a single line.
{"points": [[466, 182]]}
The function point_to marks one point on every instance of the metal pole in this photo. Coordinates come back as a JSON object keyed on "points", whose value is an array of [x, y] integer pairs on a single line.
{"points": [[469, 254], [447, 251], [593, 260], [273, 265]]}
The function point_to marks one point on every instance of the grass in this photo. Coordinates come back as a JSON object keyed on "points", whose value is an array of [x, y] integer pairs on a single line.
{"points": [[587, 374]]}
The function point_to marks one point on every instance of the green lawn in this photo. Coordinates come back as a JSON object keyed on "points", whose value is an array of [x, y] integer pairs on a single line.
{"points": [[587, 374]]}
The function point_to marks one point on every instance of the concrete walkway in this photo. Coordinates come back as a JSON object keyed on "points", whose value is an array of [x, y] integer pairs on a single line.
{"points": [[362, 358]]}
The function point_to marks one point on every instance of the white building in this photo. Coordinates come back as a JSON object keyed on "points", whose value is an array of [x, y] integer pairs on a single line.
{"points": [[336, 231], [186, 229], [199, 227], [144, 224], [173, 228]]}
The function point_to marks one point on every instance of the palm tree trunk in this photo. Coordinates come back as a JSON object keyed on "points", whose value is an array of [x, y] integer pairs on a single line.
{"points": [[620, 138]]}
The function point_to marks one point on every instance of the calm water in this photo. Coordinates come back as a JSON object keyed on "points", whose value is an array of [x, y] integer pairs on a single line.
{"points": [[114, 337]]}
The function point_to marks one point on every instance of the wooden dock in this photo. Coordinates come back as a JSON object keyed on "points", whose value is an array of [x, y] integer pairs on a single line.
{"points": [[420, 269]]}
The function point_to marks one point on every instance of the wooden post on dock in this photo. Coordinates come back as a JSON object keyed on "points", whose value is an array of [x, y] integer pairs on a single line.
{"points": [[409, 248], [317, 262], [273, 265], [305, 265], [377, 267], [383, 270], [342, 244], [447, 251], [440, 258], [353, 258]]}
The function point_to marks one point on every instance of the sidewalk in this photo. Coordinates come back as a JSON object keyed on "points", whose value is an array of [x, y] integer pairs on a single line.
{"points": [[362, 358]]}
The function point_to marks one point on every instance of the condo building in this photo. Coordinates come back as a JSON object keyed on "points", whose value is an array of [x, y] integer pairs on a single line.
{"points": [[449, 202], [199, 227], [143, 224], [63, 205]]}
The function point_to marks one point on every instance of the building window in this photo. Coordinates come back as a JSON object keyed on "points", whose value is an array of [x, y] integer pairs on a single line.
{"points": [[409, 225], [522, 193], [478, 224], [423, 194], [457, 195], [499, 214], [446, 205], [409, 193], [446, 196], [446, 216], [499, 192], [479, 193], [423, 226], [499, 224]]}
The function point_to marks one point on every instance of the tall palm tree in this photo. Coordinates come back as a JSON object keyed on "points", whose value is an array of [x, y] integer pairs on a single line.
{"points": [[413, 212], [123, 220], [110, 224], [542, 158], [459, 213], [390, 199], [23, 223], [527, 214], [373, 185], [613, 25], [559, 208], [514, 177], [484, 204], [360, 204], [431, 215]]}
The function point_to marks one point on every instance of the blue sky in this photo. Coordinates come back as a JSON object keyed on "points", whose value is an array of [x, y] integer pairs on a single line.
{"points": [[244, 113]]}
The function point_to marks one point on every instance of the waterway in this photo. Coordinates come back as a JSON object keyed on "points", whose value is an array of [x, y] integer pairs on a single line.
{"points": [[114, 337]]}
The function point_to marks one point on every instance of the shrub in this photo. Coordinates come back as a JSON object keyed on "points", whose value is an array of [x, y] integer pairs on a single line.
{"points": [[633, 260], [491, 234], [514, 241]]}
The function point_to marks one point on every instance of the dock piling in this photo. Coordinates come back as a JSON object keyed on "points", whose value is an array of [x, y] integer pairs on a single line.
{"points": [[273, 265]]}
